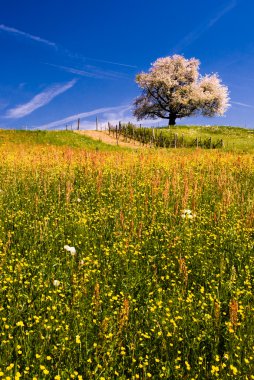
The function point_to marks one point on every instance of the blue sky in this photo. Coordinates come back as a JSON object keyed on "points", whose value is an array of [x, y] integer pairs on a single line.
{"points": [[63, 60]]}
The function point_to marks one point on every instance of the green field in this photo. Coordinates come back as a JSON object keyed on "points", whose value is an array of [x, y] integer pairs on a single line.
{"points": [[126, 264], [61, 138], [235, 139]]}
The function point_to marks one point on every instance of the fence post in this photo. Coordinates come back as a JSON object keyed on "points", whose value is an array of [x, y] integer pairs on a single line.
{"points": [[119, 128], [116, 135], [175, 140], [152, 137]]}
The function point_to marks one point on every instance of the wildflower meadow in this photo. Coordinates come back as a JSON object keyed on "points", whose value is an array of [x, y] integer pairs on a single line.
{"points": [[125, 264]]}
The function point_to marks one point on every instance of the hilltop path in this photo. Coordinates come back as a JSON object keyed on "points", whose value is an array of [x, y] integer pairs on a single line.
{"points": [[109, 139]]}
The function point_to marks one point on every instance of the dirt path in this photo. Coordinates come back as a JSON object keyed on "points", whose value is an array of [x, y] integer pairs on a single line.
{"points": [[105, 137]]}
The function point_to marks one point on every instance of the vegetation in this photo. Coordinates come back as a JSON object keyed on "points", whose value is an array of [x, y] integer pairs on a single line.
{"points": [[124, 264], [159, 138], [60, 138], [234, 139], [229, 138]]}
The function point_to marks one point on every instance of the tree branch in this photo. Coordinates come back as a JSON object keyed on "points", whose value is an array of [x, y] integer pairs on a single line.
{"points": [[158, 100]]}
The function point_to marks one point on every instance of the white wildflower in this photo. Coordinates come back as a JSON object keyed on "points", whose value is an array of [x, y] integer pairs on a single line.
{"points": [[56, 283], [188, 214], [72, 250]]}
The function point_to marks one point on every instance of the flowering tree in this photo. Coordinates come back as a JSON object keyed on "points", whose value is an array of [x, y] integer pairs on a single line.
{"points": [[173, 88]]}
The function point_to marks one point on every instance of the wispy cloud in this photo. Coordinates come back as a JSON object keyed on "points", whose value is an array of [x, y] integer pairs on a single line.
{"points": [[18, 32], [39, 100], [3, 104], [83, 115], [83, 58], [105, 115], [242, 104], [202, 28], [91, 72], [111, 63], [114, 116], [61, 49]]}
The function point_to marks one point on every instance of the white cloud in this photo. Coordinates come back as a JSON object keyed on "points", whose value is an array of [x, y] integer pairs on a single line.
{"points": [[242, 104], [39, 100], [111, 63], [73, 70], [232, 4], [201, 29], [73, 118], [93, 72], [114, 116], [18, 32], [104, 115]]}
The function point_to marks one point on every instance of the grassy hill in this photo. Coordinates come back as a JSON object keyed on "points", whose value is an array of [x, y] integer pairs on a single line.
{"points": [[235, 138], [54, 138]]}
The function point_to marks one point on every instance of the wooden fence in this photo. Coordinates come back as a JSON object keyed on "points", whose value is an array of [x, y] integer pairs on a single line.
{"points": [[158, 138]]}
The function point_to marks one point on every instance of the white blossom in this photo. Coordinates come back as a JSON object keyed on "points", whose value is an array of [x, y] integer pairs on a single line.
{"points": [[173, 88], [56, 283]]}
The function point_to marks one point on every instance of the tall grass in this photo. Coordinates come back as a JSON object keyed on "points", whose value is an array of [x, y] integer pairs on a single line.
{"points": [[160, 283]]}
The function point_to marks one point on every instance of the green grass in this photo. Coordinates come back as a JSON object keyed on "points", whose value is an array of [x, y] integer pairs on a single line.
{"points": [[235, 138], [59, 138]]}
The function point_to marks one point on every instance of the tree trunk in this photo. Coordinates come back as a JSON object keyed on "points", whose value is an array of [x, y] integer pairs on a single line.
{"points": [[172, 119]]}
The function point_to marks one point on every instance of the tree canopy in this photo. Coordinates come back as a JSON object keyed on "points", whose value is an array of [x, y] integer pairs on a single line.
{"points": [[173, 88]]}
